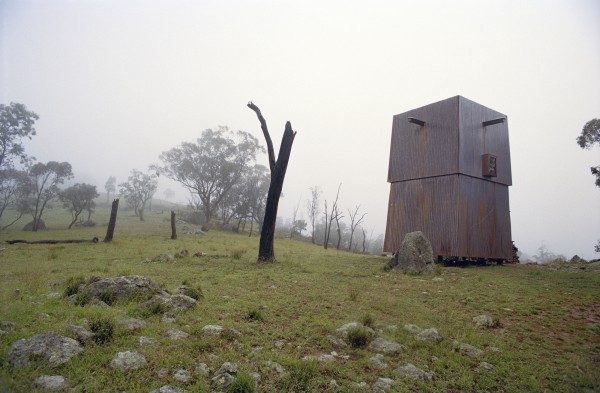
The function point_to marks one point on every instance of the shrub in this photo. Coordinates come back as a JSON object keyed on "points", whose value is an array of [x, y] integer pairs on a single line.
{"points": [[368, 320], [302, 377], [237, 254], [358, 337], [157, 308], [103, 329], [194, 293], [73, 284], [83, 297], [243, 383], [353, 292], [108, 297], [254, 315]]}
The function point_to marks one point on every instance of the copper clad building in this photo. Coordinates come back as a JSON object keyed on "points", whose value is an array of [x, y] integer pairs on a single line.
{"points": [[449, 172]]}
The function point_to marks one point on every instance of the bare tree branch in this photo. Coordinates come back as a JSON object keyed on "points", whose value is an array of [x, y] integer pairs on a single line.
{"points": [[265, 130]]}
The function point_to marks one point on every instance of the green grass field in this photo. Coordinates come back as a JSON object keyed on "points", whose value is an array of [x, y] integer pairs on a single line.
{"points": [[548, 338]]}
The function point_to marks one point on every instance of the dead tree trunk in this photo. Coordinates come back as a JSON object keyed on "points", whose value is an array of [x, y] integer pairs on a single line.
{"points": [[278, 167], [173, 226], [112, 222]]}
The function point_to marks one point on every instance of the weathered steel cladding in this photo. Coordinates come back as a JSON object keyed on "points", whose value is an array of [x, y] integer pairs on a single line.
{"points": [[461, 215], [438, 186], [452, 141]]}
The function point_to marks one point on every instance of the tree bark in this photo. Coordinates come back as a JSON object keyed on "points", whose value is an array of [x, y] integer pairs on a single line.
{"points": [[112, 222], [173, 226], [266, 252]]}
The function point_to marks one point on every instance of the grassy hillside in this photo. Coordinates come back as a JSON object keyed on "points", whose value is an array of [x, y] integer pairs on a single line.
{"points": [[547, 338]]}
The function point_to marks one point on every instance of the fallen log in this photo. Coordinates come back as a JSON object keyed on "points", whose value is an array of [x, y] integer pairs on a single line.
{"points": [[94, 240]]}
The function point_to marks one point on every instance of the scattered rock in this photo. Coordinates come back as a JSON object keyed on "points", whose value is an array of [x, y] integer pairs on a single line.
{"points": [[275, 366], [54, 295], [128, 360], [182, 376], [171, 302], [342, 332], [279, 344], [52, 383], [43, 315], [168, 389], [163, 373], [175, 334], [212, 330], [466, 349], [484, 321], [7, 325], [227, 367], [202, 369], [222, 382], [48, 348], [81, 334], [168, 317], [163, 258], [132, 324], [485, 366], [322, 357], [144, 341], [437, 279], [429, 335], [184, 253], [414, 329], [382, 345], [411, 371], [415, 255], [384, 383], [336, 341], [123, 288], [377, 362]]}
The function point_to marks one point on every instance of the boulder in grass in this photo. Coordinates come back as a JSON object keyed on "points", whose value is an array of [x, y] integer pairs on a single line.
{"points": [[415, 255], [46, 348]]}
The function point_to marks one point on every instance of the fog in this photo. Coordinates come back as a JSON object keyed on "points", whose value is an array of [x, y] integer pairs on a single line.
{"points": [[116, 83]]}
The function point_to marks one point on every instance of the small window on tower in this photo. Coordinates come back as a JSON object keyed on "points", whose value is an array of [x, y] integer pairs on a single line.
{"points": [[489, 165]]}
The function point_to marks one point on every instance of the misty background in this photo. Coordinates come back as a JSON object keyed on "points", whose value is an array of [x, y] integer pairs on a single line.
{"points": [[116, 83]]}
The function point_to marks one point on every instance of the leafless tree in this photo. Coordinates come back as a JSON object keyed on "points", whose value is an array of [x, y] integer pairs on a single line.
{"points": [[354, 223], [278, 167], [313, 209], [338, 217], [294, 220], [329, 218]]}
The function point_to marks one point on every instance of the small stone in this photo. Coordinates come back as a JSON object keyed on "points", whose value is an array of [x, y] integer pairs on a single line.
{"points": [[202, 369], [466, 349], [256, 377], [337, 342], [168, 389], [437, 279], [182, 376], [52, 383], [325, 358], [168, 317], [484, 321], [493, 349], [279, 344], [144, 341], [333, 383], [385, 346], [163, 258], [429, 335], [54, 295], [384, 383], [128, 360], [212, 330], [414, 329], [7, 325], [360, 385], [43, 315], [485, 366], [49, 348], [132, 324], [227, 367], [81, 334], [221, 382], [377, 362], [411, 371], [175, 334], [275, 366], [163, 373]]}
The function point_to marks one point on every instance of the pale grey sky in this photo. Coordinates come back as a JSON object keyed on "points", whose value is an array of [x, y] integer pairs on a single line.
{"points": [[117, 82]]}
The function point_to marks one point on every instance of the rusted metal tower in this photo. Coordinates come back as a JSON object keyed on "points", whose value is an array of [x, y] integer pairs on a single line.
{"points": [[449, 172]]}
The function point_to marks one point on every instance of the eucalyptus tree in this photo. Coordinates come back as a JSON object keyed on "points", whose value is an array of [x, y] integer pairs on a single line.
{"points": [[211, 166], [590, 135], [110, 186], [42, 187], [77, 199], [16, 124], [138, 190]]}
